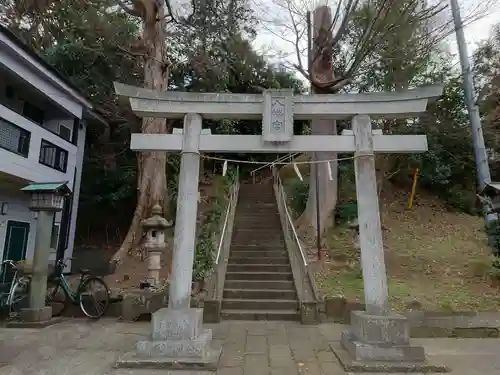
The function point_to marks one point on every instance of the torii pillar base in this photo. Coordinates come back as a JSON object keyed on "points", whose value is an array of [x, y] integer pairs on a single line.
{"points": [[381, 343], [178, 342]]}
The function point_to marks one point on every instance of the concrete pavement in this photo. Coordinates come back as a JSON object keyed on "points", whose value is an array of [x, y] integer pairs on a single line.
{"points": [[81, 347]]}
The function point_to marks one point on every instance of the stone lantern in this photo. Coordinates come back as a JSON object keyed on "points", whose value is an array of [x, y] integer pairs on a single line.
{"points": [[46, 199], [155, 242], [490, 198]]}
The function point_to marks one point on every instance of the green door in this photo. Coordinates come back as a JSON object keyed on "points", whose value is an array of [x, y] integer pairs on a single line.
{"points": [[16, 243]]}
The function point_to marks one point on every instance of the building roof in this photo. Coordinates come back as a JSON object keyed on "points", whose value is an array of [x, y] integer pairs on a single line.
{"points": [[53, 74]]}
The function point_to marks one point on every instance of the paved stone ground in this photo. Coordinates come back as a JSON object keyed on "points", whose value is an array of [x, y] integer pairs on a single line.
{"points": [[80, 347]]}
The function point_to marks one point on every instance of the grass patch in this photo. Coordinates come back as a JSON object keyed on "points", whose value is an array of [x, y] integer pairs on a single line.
{"points": [[438, 258]]}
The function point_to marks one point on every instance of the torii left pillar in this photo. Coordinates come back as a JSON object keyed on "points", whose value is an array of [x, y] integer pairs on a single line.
{"points": [[178, 339]]}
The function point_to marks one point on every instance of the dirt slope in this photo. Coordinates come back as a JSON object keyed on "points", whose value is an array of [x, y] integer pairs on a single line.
{"points": [[434, 257]]}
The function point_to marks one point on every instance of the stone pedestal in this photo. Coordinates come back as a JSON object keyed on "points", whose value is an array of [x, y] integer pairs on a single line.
{"points": [[381, 343], [35, 318], [139, 302], [178, 341]]}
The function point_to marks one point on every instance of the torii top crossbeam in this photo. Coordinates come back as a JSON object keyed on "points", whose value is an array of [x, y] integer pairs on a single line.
{"points": [[172, 104]]}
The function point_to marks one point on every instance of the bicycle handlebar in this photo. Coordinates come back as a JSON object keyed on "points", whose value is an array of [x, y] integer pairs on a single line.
{"points": [[62, 262]]}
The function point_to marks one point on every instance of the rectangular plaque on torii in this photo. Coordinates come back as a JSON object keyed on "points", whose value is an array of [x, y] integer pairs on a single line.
{"points": [[277, 124]]}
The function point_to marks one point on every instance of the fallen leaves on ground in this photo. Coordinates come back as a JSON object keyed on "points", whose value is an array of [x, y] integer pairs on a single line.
{"points": [[435, 258]]}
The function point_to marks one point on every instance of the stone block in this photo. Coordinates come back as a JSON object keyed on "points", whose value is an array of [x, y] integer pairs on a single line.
{"points": [[177, 324], [386, 352], [211, 311], [36, 315], [198, 346], [335, 307], [309, 313], [475, 333], [178, 341], [142, 302], [352, 365], [34, 318], [133, 360], [380, 329], [434, 332]]}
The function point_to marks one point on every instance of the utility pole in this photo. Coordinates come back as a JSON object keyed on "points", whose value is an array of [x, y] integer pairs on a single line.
{"points": [[314, 166], [482, 167]]}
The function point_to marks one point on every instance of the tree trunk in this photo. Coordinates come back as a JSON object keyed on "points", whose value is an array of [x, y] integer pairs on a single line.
{"points": [[327, 189], [321, 67], [152, 179]]}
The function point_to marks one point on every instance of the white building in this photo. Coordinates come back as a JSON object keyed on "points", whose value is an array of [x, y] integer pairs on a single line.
{"points": [[42, 138]]}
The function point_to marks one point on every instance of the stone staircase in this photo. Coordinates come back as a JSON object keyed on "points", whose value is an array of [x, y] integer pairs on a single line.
{"points": [[259, 282]]}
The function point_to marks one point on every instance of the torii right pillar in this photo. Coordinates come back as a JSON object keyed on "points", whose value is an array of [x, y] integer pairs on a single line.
{"points": [[378, 339]]}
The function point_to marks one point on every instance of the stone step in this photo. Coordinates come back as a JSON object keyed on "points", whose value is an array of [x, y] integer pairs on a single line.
{"points": [[272, 315], [257, 247], [255, 207], [258, 239], [258, 268], [265, 231], [258, 224], [255, 236], [264, 226], [266, 244], [270, 294], [251, 245], [260, 276], [254, 260], [262, 229], [259, 284], [259, 304], [257, 200], [268, 215], [256, 252]]}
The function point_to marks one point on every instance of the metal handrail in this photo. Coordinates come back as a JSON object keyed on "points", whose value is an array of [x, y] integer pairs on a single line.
{"points": [[281, 191], [280, 159], [231, 201]]}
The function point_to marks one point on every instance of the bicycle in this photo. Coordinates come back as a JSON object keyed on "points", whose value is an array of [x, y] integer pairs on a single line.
{"points": [[93, 304], [17, 293]]}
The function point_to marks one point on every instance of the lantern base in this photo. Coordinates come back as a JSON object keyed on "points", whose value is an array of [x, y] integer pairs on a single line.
{"points": [[35, 318]]}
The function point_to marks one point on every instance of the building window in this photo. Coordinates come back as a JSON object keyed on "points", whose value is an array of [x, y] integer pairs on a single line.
{"points": [[53, 156], [14, 139], [65, 132], [54, 236], [34, 113]]}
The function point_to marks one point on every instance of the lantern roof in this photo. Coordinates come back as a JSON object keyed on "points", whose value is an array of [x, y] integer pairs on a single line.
{"points": [[48, 187], [492, 189], [156, 221]]}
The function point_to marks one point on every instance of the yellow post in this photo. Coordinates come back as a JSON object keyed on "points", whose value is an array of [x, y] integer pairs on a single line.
{"points": [[413, 188]]}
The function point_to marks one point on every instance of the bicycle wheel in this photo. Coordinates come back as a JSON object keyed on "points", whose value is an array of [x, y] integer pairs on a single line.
{"points": [[18, 298], [56, 298], [94, 297]]}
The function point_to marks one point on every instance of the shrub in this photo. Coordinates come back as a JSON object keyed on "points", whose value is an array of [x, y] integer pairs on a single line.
{"points": [[493, 231], [297, 193], [346, 212]]}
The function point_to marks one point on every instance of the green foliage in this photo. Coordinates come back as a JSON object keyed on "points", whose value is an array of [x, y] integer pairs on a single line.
{"points": [[496, 264], [448, 168], [297, 193], [210, 230], [89, 43], [493, 231], [173, 168], [346, 212]]}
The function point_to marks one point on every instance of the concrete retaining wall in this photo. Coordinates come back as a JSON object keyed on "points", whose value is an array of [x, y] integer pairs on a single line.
{"points": [[423, 323]]}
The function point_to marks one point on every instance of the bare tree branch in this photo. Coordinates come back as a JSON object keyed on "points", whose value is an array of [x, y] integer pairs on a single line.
{"points": [[131, 11]]}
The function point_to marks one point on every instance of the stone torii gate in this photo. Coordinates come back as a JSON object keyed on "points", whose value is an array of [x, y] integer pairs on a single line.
{"points": [[277, 108]]}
